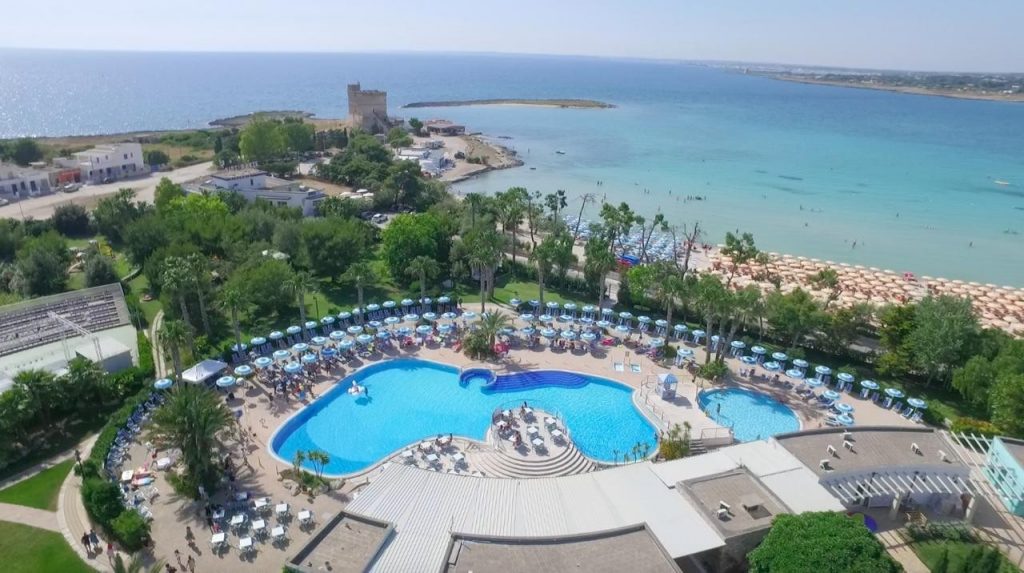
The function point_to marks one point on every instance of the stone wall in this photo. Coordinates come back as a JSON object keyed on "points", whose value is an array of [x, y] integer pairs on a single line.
{"points": [[367, 109]]}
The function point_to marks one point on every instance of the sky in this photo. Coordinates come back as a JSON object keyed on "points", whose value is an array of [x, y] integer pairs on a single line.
{"points": [[932, 35]]}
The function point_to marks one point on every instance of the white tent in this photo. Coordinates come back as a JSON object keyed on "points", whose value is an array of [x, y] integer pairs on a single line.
{"points": [[202, 371]]}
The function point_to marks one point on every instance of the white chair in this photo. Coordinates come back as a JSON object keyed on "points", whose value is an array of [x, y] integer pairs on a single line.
{"points": [[245, 545]]}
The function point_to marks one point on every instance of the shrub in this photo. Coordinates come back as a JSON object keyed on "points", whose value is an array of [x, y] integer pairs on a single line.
{"points": [[475, 346], [823, 541], [130, 529], [102, 499], [974, 426]]}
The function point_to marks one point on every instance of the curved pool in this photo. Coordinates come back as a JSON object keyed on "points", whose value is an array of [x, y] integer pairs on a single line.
{"points": [[408, 400], [751, 415]]}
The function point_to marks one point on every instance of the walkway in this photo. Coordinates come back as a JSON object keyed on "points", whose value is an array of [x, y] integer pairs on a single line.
{"points": [[901, 552], [29, 516]]}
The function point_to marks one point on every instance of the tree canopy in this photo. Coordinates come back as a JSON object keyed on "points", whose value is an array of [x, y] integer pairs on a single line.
{"points": [[816, 542]]}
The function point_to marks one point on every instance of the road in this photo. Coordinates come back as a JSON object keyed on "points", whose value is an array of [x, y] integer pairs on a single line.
{"points": [[88, 195]]}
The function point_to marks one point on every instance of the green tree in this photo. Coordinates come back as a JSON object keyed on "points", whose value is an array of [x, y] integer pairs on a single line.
{"points": [[115, 213], [598, 262], [741, 250], [491, 326], [543, 258], [99, 269], [197, 268], [827, 279], [897, 322], [231, 300], [617, 223], [409, 236], [793, 315], [262, 282], [25, 151], [397, 137], [511, 206], [822, 541], [405, 179], [166, 193], [475, 202], [676, 443], [71, 220], [423, 268], [175, 334], [145, 236], [483, 248], [942, 563], [191, 420], [45, 394], [945, 327], [555, 202], [297, 135], [43, 264], [416, 125], [332, 244], [136, 564], [156, 158], [1007, 404], [360, 274], [176, 280], [261, 140], [300, 284], [712, 300], [319, 459]]}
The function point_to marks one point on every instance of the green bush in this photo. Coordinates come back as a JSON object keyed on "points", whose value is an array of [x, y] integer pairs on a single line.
{"points": [[823, 541], [974, 426], [146, 367], [102, 500], [475, 346], [130, 529]]}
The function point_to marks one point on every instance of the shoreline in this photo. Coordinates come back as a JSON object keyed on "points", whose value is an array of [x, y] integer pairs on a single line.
{"points": [[558, 103], [1019, 98]]}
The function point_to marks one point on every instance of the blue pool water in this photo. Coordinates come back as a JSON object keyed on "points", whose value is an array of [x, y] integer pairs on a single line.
{"points": [[751, 415], [409, 400]]}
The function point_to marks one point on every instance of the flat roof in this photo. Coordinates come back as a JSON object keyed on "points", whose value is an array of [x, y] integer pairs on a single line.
{"points": [[237, 173], [633, 549], [350, 552], [751, 505], [874, 448], [1015, 447]]}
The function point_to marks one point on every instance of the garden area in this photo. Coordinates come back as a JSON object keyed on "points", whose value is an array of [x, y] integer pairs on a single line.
{"points": [[41, 490], [30, 550]]}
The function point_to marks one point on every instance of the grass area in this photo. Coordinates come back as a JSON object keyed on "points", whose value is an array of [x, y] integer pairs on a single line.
{"points": [[181, 155], [930, 551], [140, 286], [30, 550], [39, 491], [76, 430], [505, 291]]}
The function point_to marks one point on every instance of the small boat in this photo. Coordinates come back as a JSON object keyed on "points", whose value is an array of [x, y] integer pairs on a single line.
{"points": [[560, 152], [1001, 182], [533, 169]]}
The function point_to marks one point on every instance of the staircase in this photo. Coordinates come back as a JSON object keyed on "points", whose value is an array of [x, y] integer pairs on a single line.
{"points": [[536, 379], [563, 461]]}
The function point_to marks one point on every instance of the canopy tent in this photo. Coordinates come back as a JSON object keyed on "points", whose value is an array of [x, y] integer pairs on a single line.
{"points": [[203, 371]]}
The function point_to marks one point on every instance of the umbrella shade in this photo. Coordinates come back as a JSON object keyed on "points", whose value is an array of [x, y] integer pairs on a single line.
{"points": [[346, 344], [772, 365], [444, 328], [407, 302], [715, 338], [814, 382], [225, 381], [549, 333], [845, 377], [622, 328], [588, 336], [300, 347], [507, 330], [318, 341], [411, 317], [607, 311], [515, 302], [843, 407], [469, 315], [748, 359], [830, 395], [293, 330], [392, 320], [625, 315], [327, 320], [309, 358], [258, 341], [389, 304], [779, 356], [585, 320], [293, 368], [553, 305], [329, 351], [372, 307], [344, 315], [311, 324], [238, 347], [588, 308], [758, 350], [569, 306], [680, 328], [546, 318], [528, 331], [383, 335], [337, 335], [845, 419], [282, 355], [243, 370], [657, 342], [364, 339], [738, 344], [823, 370], [424, 329], [526, 317], [643, 319], [262, 362], [800, 363], [917, 403], [375, 324], [444, 299], [869, 384], [534, 303], [569, 334], [163, 383], [603, 324], [698, 333], [685, 352], [355, 329], [426, 300], [404, 331], [276, 335], [795, 373], [357, 310], [449, 315], [565, 318], [429, 316], [661, 322]]}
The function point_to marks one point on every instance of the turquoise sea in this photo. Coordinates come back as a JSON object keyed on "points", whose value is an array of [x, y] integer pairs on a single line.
{"points": [[807, 169]]}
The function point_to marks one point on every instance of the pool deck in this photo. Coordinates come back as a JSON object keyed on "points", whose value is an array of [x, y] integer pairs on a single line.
{"points": [[262, 415]]}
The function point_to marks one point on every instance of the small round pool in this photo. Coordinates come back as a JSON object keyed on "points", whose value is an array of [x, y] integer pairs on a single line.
{"points": [[751, 415]]}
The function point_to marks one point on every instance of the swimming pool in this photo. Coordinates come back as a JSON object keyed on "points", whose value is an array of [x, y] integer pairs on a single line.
{"points": [[410, 399], [751, 415]]}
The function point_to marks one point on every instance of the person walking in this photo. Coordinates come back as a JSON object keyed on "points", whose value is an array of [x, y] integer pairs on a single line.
{"points": [[191, 564], [85, 542]]}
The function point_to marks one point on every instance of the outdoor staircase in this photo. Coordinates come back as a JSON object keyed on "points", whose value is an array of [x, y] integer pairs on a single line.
{"points": [[562, 462], [697, 447], [535, 379]]}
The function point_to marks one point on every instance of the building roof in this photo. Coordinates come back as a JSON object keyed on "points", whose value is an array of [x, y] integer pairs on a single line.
{"points": [[1015, 447], [237, 173], [631, 549], [350, 552], [749, 505], [202, 371], [107, 346]]}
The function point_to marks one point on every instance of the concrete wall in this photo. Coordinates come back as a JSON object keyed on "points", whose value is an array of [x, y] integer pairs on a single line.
{"points": [[367, 109], [116, 161]]}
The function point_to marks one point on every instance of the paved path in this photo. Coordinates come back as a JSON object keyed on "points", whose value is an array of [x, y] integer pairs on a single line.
{"points": [[72, 519], [901, 552], [29, 516]]}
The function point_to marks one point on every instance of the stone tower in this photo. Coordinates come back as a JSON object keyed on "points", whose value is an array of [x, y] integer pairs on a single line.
{"points": [[367, 109]]}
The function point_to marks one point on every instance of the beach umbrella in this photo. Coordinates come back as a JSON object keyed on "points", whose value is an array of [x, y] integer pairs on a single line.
{"points": [[282, 355], [917, 403], [800, 363], [293, 330], [257, 341], [894, 393], [845, 419], [163, 383], [845, 377], [243, 370], [535, 303], [392, 320], [603, 324], [300, 347], [327, 320], [449, 315], [565, 318], [375, 324], [357, 311], [427, 301], [680, 329], [607, 312], [546, 318], [355, 329], [588, 337], [329, 351], [389, 304], [372, 307], [528, 331], [685, 352], [318, 341], [344, 315], [622, 328], [336, 335], [311, 324], [364, 339], [585, 320], [830, 395], [570, 306], [309, 358], [508, 330], [697, 335], [404, 331], [814, 382], [407, 302], [823, 370], [346, 344], [587, 308], [225, 381], [469, 315], [661, 323], [843, 407], [795, 373], [738, 344], [444, 328], [549, 333], [515, 302], [779, 356], [411, 317], [238, 347], [262, 362], [759, 350], [526, 317], [429, 316], [869, 384], [446, 299], [552, 305], [276, 335], [293, 368], [643, 319], [625, 315], [772, 366], [569, 334], [424, 329], [657, 342]]}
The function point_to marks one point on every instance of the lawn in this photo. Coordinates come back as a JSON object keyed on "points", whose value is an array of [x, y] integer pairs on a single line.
{"points": [[39, 491], [929, 552], [140, 286], [30, 550]]}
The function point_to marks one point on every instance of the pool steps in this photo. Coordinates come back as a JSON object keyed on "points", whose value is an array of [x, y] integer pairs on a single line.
{"points": [[568, 461]]}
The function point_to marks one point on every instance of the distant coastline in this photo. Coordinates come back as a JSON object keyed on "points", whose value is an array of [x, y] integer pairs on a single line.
{"points": [[563, 103], [858, 84]]}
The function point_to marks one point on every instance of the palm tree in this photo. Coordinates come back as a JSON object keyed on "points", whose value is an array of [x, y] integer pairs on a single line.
{"points": [[197, 267], [484, 248], [746, 302], [713, 300], [299, 284], [175, 279], [423, 267], [600, 261], [191, 420], [43, 392], [511, 206], [300, 456], [319, 459], [137, 565], [360, 274], [173, 335], [544, 259], [564, 258], [476, 203], [491, 325], [232, 300]]}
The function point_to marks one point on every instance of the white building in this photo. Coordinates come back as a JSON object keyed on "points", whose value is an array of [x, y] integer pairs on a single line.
{"points": [[254, 184], [107, 162], [22, 182]]}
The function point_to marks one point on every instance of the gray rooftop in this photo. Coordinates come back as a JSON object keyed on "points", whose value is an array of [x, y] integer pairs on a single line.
{"points": [[633, 549], [875, 448], [347, 544], [1015, 447], [752, 506], [238, 173]]}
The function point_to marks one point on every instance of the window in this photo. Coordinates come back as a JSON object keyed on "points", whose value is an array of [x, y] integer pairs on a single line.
{"points": [[126, 157], [32, 185]]}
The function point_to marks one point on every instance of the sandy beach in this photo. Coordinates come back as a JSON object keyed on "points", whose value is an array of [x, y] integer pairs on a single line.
{"points": [[474, 145], [561, 103], [904, 90]]}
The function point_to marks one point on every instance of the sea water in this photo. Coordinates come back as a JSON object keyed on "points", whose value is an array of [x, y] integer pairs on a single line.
{"points": [[904, 182]]}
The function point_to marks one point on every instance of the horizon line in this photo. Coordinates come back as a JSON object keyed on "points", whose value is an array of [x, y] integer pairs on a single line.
{"points": [[648, 59]]}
